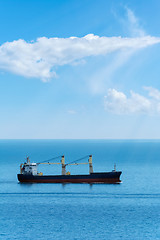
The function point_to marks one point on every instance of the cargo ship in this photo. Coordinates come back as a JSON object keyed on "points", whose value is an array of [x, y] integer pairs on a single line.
{"points": [[29, 174]]}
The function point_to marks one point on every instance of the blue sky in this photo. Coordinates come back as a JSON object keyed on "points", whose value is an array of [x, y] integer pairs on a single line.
{"points": [[79, 69]]}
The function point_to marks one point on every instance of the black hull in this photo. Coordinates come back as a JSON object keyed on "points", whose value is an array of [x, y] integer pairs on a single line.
{"points": [[104, 177]]}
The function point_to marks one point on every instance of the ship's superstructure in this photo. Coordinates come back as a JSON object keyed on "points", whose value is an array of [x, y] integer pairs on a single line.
{"points": [[28, 168], [29, 173]]}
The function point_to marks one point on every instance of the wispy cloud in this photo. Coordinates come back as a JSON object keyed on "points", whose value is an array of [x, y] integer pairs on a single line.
{"points": [[120, 58], [118, 103], [38, 59], [133, 24], [71, 111]]}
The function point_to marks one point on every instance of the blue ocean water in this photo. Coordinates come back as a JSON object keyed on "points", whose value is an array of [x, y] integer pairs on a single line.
{"points": [[130, 210]]}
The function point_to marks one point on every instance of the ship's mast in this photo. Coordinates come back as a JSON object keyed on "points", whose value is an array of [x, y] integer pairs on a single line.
{"points": [[90, 164], [28, 160], [63, 166]]}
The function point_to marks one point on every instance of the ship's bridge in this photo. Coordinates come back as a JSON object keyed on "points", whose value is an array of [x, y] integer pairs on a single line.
{"points": [[29, 168]]}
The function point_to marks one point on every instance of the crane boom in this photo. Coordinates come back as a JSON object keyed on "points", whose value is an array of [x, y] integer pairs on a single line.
{"points": [[76, 163], [49, 163]]}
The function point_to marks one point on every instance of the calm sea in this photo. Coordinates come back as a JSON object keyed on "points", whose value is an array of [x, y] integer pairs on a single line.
{"points": [[130, 210]]}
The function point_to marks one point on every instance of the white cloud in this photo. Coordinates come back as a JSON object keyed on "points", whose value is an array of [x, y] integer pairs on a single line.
{"points": [[38, 59], [118, 103], [153, 92]]}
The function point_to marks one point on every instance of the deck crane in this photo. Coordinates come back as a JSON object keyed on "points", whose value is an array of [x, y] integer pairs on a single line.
{"points": [[31, 168]]}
